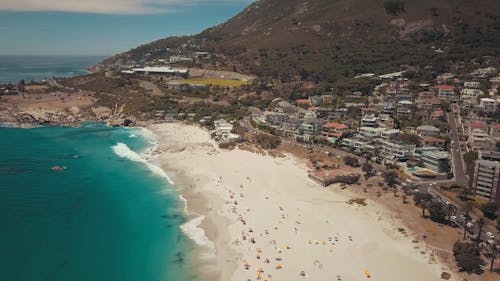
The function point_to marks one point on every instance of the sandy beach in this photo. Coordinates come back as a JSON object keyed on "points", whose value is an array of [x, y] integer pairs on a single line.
{"points": [[264, 218]]}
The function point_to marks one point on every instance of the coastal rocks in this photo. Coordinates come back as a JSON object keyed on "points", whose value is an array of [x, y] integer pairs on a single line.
{"points": [[121, 122]]}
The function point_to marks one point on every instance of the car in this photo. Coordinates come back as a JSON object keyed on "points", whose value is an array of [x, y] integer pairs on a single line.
{"points": [[490, 235]]}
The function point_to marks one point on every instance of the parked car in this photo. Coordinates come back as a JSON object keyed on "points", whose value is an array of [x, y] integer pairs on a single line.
{"points": [[490, 235]]}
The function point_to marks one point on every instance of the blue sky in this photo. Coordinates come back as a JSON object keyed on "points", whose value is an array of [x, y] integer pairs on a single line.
{"points": [[94, 28]]}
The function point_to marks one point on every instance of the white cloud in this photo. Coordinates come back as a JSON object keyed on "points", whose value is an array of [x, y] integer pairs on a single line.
{"points": [[103, 6]]}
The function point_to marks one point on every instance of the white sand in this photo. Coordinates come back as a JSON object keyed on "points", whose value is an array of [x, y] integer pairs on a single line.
{"points": [[274, 195]]}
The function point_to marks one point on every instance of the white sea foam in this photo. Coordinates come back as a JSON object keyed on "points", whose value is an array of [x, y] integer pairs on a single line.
{"points": [[132, 136], [124, 151], [185, 203], [193, 230]]}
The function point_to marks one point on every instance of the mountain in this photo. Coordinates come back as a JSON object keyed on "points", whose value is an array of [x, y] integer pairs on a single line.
{"points": [[330, 39]]}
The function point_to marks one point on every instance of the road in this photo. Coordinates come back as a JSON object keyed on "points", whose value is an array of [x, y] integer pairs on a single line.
{"points": [[458, 166]]}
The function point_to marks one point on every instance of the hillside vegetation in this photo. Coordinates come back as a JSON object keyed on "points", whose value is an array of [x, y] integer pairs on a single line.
{"points": [[330, 39]]}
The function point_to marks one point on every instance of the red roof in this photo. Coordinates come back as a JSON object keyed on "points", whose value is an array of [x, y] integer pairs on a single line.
{"points": [[496, 126], [478, 125], [302, 101], [438, 113], [446, 87], [335, 125]]}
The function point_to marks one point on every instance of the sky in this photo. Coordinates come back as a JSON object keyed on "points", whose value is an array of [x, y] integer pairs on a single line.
{"points": [[103, 27]]}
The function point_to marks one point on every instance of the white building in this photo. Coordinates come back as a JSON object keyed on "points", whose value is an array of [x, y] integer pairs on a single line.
{"points": [[472, 84], [397, 152], [222, 127], [488, 105], [369, 120], [371, 132]]}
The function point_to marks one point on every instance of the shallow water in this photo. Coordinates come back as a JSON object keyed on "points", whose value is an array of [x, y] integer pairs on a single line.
{"points": [[105, 217]]}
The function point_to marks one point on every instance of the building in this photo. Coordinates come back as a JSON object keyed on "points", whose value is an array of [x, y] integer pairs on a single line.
{"points": [[222, 127], [291, 126], [161, 70], [369, 120], [404, 108], [447, 92], [488, 105], [436, 161], [472, 84], [484, 180], [308, 130], [433, 141], [428, 130], [389, 134], [179, 59], [495, 131], [333, 131], [371, 132], [488, 155], [394, 152]]}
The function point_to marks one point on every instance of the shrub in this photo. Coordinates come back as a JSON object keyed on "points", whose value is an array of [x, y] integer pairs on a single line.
{"points": [[490, 209], [467, 256], [351, 161], [268, 141]]}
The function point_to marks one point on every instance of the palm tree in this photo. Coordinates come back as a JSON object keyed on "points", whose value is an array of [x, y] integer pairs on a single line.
{"points": [[494, 251], [466, 209], [423, 205], [480, 223]]}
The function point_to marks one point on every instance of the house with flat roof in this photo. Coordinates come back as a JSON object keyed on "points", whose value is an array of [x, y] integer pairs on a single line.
{"points": [[369, 120], [436, 161], [428, 130], [488, 105]]}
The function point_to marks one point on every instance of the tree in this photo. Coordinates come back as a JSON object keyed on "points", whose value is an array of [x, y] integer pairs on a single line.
{"points": [[469, 158], [480, 223], [390, 178], [422, 200], [268, 141], [490, 209], [438, 212], [464, 193], [498, 224], [466, 209], [367, 169], [494, 252], [351, 161], [394, 7], [467, 256]]}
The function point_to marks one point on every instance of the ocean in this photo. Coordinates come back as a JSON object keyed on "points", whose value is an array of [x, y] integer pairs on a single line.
{"points": [[109, 215], [16, 68]]}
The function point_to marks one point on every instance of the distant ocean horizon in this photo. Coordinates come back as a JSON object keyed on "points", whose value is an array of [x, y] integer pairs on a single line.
{"points": [[14, 68]]}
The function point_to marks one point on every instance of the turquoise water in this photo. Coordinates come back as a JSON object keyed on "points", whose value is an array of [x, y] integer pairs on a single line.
{"points": [[16, 68], [104, 218]]}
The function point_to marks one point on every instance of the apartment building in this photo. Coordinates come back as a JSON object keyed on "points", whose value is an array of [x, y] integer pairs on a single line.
{"points": [[484, 180]]}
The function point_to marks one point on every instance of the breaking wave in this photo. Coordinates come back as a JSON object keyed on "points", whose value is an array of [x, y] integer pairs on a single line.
{"points": [[122, 150]]}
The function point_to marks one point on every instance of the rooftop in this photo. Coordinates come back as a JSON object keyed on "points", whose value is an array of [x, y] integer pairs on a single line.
{"points": [[446, 87]]}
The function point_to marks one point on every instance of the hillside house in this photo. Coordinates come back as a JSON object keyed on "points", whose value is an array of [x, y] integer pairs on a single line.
{"points": [[447, 92], [333, 131]]}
